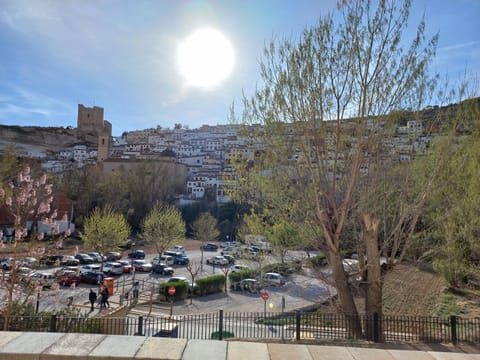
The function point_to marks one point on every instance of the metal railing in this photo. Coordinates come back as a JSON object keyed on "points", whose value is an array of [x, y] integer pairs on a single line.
{"points": [[287, 326]]}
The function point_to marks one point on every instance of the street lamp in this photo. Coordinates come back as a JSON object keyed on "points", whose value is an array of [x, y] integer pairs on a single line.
{"points": [[38, 298]]}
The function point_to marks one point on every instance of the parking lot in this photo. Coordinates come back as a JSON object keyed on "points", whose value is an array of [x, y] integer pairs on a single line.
{"points": [[299, 291]]}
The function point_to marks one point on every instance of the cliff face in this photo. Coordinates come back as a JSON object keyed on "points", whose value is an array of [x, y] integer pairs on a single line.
{"points": [[47, 139]]}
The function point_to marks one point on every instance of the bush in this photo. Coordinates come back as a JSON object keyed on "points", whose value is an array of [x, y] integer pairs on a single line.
{"points": [[281, 268], [211, 284], [235, 277], [181, 290], [317, 261]]}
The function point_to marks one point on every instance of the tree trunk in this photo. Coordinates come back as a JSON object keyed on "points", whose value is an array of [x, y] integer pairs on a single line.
{"points": [[349, 309], [373, 297]]}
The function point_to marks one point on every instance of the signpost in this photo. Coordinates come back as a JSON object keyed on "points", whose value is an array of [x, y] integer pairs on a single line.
{"points": [[171, 292], [265, 297]]}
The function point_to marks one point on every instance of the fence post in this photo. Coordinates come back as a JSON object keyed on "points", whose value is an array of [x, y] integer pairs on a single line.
{"points": [[376, 327], [220, 324], [53, 323], [297, 325], [140, 326], [453, 328]]}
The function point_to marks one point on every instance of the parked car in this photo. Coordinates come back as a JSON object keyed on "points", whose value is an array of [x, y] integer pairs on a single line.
{"points": [[137, 254], [96, 257], [127, 267], [179, 258], [68, 278], [273, 279], [178, 248], [90, 277], [163, 269], [209, 247], [24, 272], [30, 262], [6, 263], [217, 260], [113, 256], [69, 260], [43, 279], [237, 268], [50, 260], [84, 259], [113, 268], [232, 251], [142, 265], [250, 285], [90, 268], [230, 258], [166, 259]]}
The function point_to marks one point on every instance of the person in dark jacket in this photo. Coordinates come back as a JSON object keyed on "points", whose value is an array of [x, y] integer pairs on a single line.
{"points": [[104, 302], [92, 297]]}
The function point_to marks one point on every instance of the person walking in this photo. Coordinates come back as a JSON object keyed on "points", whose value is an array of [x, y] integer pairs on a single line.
{"points": [[92, 297], [105, 302]]}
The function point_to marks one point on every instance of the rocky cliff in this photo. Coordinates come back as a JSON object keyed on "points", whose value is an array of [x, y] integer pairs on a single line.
{"points": [[43, 139]]}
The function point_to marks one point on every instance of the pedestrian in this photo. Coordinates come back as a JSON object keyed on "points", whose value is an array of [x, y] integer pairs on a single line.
{"points": [[105, 297], [136, 288], [92, 297]]}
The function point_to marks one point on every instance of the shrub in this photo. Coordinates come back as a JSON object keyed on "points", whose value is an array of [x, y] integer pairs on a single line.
{"points": [[317, 261], [181, 290], [235, 277], [281, 268], [211, 284]]}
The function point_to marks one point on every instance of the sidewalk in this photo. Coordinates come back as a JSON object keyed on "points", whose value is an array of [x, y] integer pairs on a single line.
{"points": [[24, 346]]}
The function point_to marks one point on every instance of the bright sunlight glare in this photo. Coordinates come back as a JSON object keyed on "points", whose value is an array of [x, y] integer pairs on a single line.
{"points": [[205, 58]]}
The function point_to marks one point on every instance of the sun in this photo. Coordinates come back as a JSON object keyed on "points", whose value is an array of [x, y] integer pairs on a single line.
{"points": [[205, 58]]}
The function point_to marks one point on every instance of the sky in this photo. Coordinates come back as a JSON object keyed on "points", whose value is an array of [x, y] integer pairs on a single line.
{"points": [[122, 55]]}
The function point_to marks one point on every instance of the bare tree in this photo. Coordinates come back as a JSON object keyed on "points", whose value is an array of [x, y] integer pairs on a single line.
{"points": [[205, 229], [193, 269], [323, 114]]}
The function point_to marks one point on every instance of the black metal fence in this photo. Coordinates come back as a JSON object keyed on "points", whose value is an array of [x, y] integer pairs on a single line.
{"points": [[287, 326]]}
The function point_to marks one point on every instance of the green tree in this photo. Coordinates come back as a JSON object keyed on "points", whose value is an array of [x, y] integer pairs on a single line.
{"points": [[283, 238], [163, 226], [322, 112], [204, 228], [104, 230], [452, 217]]}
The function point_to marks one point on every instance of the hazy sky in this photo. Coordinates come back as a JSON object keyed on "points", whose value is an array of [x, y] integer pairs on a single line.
{"points": [[121, 55]]}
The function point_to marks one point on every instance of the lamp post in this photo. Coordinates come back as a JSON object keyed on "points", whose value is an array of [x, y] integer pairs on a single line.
{"points": [[38, 299]]}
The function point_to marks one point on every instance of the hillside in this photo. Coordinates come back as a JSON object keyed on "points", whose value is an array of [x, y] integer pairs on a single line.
{"points": [[46, 139], [410, 291]]}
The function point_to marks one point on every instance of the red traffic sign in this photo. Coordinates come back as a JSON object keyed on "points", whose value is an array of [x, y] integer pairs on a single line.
{"points": [[171, 290], [265, 295]]}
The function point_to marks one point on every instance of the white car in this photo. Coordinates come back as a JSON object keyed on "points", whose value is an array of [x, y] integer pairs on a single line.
{"points": [[273, 279], [142, 265], [217, 260], [238, 267], [90, 268], [113, 268]]}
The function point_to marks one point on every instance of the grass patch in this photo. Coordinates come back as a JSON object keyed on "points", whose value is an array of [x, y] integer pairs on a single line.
{"points": [[447, 305]]}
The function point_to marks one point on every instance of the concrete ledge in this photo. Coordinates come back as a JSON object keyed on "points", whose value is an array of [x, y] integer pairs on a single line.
{"points": [[28, 346], [78, 345], [205, 350], [62, 346], [161, 348]]}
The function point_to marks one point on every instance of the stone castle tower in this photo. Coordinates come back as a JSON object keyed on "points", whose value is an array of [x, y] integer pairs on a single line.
{"points": [[90, 120]]}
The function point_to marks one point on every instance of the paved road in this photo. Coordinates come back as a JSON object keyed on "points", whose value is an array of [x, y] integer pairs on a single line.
{"points": [[300, 291]]}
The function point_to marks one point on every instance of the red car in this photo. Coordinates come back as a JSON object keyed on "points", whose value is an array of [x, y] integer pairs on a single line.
{"points": [[68, 278], [127, 267]]}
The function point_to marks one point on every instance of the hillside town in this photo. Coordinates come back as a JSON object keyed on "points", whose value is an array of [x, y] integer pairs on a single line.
{"points": [[199, 158]]}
